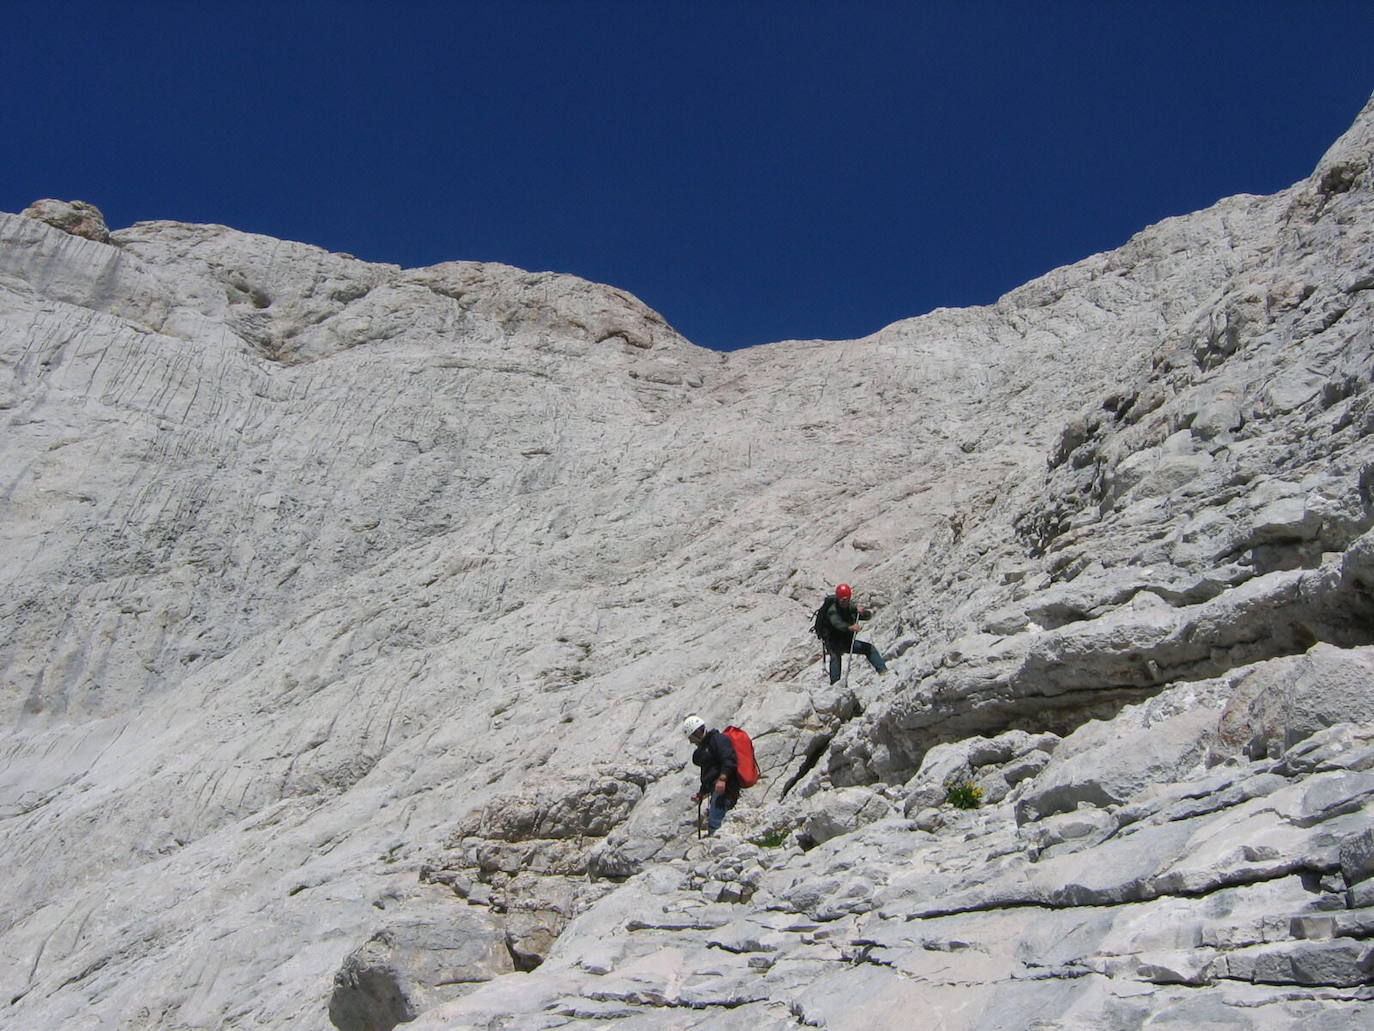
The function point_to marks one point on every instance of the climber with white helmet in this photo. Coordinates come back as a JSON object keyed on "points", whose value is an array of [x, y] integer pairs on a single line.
{"points": [[719, 771]]}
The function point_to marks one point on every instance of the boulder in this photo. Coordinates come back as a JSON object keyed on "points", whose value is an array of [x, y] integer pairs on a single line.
{"points": [[1080, 829], [75, 217], [1357, 857], [843, 811], [408, 966], [1104, 764], [1285, 701]]}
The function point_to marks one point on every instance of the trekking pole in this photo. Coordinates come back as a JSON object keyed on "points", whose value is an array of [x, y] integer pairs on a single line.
{"points": [[853, 640], [698, 819]]}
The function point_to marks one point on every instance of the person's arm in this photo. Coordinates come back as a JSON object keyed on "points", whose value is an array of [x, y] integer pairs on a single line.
{"points": [[729, 765], [839, 619]]}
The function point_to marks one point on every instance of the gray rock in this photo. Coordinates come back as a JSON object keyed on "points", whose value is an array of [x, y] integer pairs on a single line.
{"points": [[1282, 703], [746, 936], [923, 798], [1109, 763], [406, 968], [993, 787], [1027, 766], [75, 217], [1345, 746], [842, 812], [1337, 964], [1357, 857], [971, 761], [1079, 829], [319, 573]]}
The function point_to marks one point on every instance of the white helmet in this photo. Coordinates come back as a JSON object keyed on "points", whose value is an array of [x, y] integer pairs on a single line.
{"points": [[692, 724]]}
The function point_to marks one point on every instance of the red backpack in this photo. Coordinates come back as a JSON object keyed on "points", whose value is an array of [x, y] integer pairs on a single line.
{"points": [[744, 756]]}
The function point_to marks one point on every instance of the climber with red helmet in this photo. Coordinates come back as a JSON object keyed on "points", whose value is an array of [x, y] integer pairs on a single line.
{"points": [[837, 622]]}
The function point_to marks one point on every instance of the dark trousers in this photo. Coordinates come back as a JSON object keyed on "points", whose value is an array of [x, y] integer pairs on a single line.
{"points": [[859, 648]]}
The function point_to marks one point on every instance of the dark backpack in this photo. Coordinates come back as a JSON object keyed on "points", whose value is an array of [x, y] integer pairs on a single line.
{"points": [[820, 624]]}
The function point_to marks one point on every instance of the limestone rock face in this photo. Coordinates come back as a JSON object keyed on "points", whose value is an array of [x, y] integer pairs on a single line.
{"points": [[350, 613]]}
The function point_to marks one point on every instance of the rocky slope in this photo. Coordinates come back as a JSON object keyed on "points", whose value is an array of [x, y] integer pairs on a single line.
{"points": [[349, 613]]}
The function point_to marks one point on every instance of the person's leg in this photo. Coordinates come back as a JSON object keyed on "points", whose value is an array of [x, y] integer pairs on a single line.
{"points": [[836, 666], [720, 805], [874, 656]]}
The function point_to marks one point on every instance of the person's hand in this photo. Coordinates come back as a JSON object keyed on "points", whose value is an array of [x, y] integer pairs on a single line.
{"points": [[720, 786], [697, 797]]}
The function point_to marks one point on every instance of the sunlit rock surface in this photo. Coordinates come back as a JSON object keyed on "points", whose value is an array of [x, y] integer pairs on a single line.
{"points": [[350, 612]]}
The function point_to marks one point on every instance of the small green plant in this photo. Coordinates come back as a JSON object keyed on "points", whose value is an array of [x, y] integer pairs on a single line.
{"points": [[772, 839], [963, 794]]}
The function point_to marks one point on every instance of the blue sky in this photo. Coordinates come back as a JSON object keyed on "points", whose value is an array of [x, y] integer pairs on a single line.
{"points": [[755, 171]]}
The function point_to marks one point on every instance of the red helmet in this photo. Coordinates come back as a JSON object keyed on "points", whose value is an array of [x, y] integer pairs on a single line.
{"points": [[843, 593]]}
